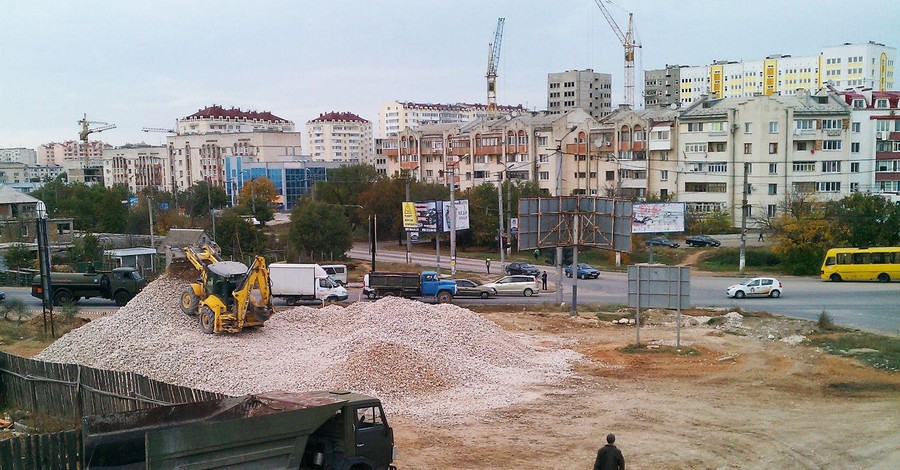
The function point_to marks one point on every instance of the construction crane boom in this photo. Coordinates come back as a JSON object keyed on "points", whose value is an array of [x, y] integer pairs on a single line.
{"points": [[628, 42], [493, 62], [86, 130], [158, 129]]}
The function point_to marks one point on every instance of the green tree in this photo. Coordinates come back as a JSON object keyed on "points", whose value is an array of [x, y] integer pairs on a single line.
{"points": [[201, 197], [19, 257], [238, 237], [865, 220], [483, 214], [803, 232], [87, 248], [344, 187], [385, 198], [318, 228], [257, 198]]}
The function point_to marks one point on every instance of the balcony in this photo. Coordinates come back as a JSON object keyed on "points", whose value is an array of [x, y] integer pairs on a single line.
{"points": [[459, 151], [489, 150], [624, 146], [409, 165], [513, 148], [638, 145], [577, 149], [886, 155], [887, 176]]}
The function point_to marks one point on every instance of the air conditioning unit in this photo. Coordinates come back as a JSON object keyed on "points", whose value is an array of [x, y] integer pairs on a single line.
{"points": [[882, 135]]}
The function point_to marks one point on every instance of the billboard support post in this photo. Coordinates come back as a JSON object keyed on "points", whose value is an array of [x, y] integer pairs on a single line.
{"points": [[575, 221], [452, 223]]}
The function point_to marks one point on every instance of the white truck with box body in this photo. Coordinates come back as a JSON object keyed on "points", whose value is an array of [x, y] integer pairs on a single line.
{"points": [[298, 282]]}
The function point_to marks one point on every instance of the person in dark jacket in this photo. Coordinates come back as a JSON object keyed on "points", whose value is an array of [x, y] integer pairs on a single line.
{"points": [[609, 457], [544, 281]]}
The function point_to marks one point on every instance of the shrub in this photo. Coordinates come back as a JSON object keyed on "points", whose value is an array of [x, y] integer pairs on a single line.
{"points": [[825, 322]]}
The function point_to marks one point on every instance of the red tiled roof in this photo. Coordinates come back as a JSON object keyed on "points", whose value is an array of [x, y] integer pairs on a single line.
{"points": [[343, 117], [457, 106], [850, 94], [216, 111]]}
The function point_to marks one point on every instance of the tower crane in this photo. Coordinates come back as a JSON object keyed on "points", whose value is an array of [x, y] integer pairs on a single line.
{"points": [[493, 61], [86, 130], [159, 129], [627, 40]]}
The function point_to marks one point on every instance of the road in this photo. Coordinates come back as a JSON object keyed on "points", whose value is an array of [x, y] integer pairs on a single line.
{"points": [[863, 305]]}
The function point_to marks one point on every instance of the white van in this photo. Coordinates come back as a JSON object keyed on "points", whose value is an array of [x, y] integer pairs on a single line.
{"points": [[338, 272]]}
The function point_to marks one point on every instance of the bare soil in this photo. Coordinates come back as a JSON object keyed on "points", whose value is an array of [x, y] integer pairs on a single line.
{"points": [[742, 401]]}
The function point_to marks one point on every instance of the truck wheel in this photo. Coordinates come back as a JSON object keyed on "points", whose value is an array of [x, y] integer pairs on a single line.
{"points": [[62, 297], [444, 297], [291, 301], [189, 301], [122, 297], [371, 296], [207, 320]]}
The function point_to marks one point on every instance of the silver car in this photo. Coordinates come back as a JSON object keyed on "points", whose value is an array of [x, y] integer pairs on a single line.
{"points": [[516, 285]]}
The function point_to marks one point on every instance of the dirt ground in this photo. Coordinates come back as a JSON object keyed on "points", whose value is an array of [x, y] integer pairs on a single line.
{"points": [[743, 401]]}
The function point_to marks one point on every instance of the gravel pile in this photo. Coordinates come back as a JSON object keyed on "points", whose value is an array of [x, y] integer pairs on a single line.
{"points": [[420, 359]]}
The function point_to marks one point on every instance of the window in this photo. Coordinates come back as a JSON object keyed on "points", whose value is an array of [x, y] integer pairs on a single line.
{"points": [[828, 186], [705, 187], [429, 173], [831, 166], [748, 149], [773, 148], [610, 176], [773, 168], [832, 145], [695, 167], [854, 187], [773, 127], [855, 127], [804, 187], [664, 175], [854, 167], [663, 193], [717, 146], [831, 124], [881, 103], [717, 127], [695, 148], [695, 127], [747, 127], [859, 103], [544, 175], [369, 417], [804, 124], [854, 147], [804, 166], [542, 141], [718, 167], [801, 145], [773, 189], [544, 158], [770, 210]]}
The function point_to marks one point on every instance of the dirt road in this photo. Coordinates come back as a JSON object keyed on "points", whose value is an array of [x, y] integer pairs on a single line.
{"points": [[772, 405]]}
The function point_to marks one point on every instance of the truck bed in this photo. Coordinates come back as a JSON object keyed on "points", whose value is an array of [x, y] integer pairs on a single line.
{"points": [[394, 280]]}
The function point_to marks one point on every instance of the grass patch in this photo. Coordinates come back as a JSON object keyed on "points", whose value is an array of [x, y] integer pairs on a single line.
{"points": [[672, 350], [726, 259], [885, 352]]}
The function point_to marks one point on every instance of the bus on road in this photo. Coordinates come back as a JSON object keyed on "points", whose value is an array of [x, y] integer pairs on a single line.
{"points": [[862, 264]]}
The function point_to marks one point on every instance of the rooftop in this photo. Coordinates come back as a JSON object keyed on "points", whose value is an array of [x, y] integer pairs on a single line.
{"points": [[218, 112], [338, 117]]}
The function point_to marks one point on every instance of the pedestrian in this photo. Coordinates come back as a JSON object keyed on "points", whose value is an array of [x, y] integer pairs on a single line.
{"points": [[609, 457], [544, 280], [537, 253], [487, 263], [762, 236]]}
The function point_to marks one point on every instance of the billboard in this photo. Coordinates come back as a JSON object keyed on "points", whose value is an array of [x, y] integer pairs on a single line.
{"points": [[429, 216], [410, 221], [462, 215], [574, 220], [657, 217]]}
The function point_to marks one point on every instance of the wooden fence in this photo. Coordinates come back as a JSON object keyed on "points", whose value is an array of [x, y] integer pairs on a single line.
{"points": [[69, 392]]}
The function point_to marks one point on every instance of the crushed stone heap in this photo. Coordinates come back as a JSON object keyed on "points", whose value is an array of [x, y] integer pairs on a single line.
{"points": [[420, 359]]}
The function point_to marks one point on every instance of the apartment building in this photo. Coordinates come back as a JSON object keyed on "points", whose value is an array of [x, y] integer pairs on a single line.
{"points": [[875, 140], [137, 166], [40, 173], [13, 173], [870, 64], [18, 155], [786, 145], [662, 87], [340, 137], [580, 89], [70, 154], [396, 116], [547, 148], [206, 138]]}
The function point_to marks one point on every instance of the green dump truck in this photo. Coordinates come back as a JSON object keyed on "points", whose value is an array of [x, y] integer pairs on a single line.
{"points": [[120, 285], [275, 430]]}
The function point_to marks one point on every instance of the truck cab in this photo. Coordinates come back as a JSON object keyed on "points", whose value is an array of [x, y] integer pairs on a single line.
{"points": [[433, 286]]}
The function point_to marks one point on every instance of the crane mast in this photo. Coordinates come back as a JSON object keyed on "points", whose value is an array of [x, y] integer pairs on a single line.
{"points": [[628, 42], [86, 130], [493, 61]]}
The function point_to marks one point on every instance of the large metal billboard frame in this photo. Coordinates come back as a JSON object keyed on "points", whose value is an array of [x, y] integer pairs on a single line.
{"points": [[603, 223], [428, 216]]}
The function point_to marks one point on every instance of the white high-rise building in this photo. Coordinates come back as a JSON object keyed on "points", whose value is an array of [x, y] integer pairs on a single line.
{"points": [[340, 137], [397, 116]]}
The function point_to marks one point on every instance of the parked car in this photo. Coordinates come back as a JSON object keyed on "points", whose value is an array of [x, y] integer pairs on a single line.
{"points": [[470, 288], [585, 271], [2, 295], [525, 285], [662, 241], [701, 240], [756, 287], [522, 268]]}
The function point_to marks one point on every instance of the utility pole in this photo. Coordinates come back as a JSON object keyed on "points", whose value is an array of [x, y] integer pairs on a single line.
{"points": [[744, 218], [501, 231], [576, 235], [452, 222], [559, 249], [150, 210], [408, 238]]}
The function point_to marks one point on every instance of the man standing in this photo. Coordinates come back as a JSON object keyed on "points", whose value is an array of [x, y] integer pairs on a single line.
{"points": [[544, 281], [609, 457], [537, 253], [487, 263], [762, 236]]}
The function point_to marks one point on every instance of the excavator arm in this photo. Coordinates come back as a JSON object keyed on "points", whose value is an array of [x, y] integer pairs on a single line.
{"points": [[256, 280]]}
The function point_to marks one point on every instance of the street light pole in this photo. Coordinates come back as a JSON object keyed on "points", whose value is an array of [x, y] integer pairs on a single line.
{"points": [[452, 222], [500, 231]]}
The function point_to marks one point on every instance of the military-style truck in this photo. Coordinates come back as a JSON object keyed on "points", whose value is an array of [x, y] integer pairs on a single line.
{"points": [[274, 430], [426, 284], [119, 285]]}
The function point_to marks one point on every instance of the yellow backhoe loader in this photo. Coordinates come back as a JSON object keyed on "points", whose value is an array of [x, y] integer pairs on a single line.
{"points": [[228, 296]]}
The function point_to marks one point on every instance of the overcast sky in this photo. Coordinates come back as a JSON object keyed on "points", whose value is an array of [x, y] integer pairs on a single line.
{"points": [[146, 63]]}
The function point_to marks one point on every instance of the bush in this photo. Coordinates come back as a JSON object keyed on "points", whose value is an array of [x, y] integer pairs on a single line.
{"points": [[802, 261], [825, 322], [727, 258]]}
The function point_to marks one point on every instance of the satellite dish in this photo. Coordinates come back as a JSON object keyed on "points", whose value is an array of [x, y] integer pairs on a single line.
{"points": [[514, 114], [673, 106], [508, 117], [598, 143]]}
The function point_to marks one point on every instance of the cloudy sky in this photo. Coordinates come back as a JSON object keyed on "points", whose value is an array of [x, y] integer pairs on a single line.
{"points": [[144, 64]]}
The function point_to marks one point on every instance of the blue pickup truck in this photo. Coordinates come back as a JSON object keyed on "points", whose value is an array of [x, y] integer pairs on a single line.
{"points": [[409, 285]]}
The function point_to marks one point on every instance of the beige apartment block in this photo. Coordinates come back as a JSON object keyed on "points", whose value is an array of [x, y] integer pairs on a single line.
{"points": [[787, 145], [397, 116], [340, 137], [71, 153], [138, 167], [18, 155], [216, 119], [13, 172]]}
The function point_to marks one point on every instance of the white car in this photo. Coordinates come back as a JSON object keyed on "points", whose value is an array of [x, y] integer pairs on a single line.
{"points": [[516, 284], [756, 287]]}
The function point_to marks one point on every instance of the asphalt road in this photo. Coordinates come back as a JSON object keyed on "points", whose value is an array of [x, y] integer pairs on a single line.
{"points": [[869, 306]]}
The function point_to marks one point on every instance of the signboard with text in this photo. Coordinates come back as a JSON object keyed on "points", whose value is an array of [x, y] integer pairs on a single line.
{"points": [[658, 217]]}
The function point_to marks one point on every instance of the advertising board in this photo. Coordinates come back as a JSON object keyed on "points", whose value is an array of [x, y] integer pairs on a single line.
{"points": [[657, 217]]}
